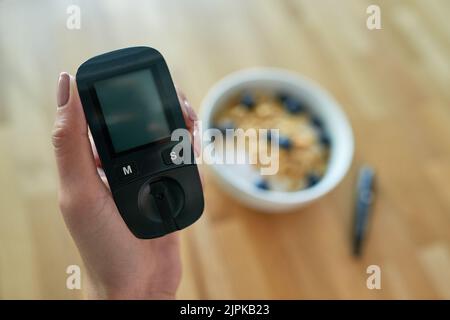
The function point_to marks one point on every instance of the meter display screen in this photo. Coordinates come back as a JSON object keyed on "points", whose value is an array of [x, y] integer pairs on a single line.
{"points": [[132, 109]]}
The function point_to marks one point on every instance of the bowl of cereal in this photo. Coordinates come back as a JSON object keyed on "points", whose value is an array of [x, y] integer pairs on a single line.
{"points": [[304, 142]]}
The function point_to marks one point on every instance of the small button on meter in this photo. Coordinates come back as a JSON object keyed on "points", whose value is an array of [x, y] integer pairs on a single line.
{"points": [[171, 157], [126, 171]]}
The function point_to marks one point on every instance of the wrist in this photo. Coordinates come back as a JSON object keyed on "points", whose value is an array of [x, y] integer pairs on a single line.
{"points": [[128, 294], [138, 296]]}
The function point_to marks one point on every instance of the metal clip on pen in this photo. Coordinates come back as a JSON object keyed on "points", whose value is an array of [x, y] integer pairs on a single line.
{"points": [[364, 202]]}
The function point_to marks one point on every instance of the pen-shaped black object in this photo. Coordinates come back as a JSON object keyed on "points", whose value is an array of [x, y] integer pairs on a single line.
{"points": [[365, 192]]}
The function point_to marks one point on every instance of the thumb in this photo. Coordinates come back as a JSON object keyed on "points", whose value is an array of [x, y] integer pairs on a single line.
{"points": [[74, 158]]}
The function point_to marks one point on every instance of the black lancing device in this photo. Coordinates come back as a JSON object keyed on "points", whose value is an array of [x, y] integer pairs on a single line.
{"points": [[132, 107]]}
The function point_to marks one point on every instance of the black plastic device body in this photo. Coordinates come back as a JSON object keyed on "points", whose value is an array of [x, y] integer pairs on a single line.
{"points": [[132, 107]]}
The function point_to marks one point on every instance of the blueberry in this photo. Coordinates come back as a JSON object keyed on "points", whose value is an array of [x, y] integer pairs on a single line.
{"points": [[270, 135], [316, 122], [262, 184], [226, 124], [312, 179], [324, 139], [293, 106], [247, 100], [285, 142], [282, 97]]}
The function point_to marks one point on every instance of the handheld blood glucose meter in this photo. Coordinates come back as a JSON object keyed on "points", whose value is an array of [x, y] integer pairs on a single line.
{"points": [[132, 107]]}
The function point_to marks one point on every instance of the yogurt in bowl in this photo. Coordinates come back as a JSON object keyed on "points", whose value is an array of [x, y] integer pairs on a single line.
{"points": [[277, 99]]}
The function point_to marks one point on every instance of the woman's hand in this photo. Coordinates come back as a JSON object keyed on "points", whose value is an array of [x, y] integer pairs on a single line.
{"points": [[118, 265]]}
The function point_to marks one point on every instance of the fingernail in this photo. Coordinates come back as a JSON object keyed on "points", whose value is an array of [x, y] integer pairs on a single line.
{"points": [[63, 94], [196, 138], [191, 113], [196, 148]]}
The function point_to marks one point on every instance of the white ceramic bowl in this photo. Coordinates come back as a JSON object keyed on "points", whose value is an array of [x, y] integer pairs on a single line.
{"points": [[321, 104]]}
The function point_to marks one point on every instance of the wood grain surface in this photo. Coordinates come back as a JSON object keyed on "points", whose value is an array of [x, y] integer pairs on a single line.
{"points": [[393, 83]]}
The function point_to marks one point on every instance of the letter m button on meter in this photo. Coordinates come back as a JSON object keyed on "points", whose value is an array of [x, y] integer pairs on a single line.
{"points": [[132, 107]]}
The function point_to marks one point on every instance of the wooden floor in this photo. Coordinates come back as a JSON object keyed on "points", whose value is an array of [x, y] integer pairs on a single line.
{"points": [[393, 83]]}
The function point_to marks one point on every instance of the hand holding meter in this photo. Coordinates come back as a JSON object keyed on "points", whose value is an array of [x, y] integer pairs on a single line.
{"points": [[131, 106]]}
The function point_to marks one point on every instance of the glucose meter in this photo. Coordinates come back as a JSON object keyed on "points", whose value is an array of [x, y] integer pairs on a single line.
{"points": [[132, 108]]}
